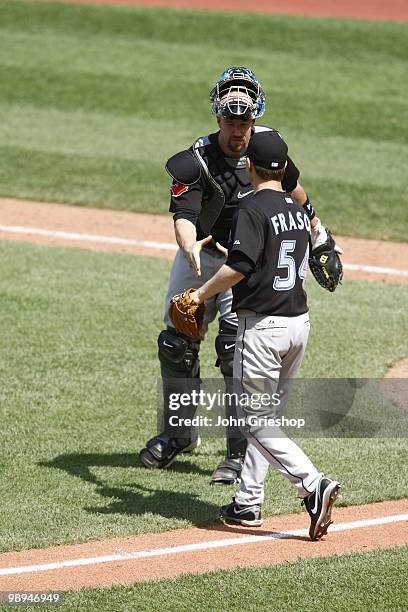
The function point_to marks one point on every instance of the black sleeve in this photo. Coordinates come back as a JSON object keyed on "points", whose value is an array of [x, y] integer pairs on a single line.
{"points": [[291, 176], [185, 201], [240, 263], [248, 234]]}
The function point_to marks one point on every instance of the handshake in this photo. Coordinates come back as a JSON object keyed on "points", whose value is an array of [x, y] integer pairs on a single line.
{"points": [[187, 313]]}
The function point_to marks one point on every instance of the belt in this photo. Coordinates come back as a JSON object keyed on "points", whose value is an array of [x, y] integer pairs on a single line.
{"points": [[246, 312]]}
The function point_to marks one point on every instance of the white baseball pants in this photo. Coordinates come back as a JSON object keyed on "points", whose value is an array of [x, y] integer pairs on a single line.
{"points": [[268, 354]]}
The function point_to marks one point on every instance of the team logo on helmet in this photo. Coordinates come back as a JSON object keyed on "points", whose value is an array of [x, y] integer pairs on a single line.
{"points": [[238, 93]]}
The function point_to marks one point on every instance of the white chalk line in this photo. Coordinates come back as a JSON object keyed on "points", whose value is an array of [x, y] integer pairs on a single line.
{"points": [[36, 231], [185, 548], [375, 269], [166, 246]]}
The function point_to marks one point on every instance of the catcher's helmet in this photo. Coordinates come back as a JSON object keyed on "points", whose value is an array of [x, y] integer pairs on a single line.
{"points": [[238, 93]]}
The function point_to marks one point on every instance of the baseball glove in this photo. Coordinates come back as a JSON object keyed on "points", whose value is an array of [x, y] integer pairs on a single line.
{"points": [[325, 264], [186, 315]]}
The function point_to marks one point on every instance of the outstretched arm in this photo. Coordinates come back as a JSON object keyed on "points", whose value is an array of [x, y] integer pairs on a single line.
{"points": [[186, 237], [300, 195]]}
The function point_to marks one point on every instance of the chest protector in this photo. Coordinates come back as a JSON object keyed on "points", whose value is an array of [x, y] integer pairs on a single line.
{"points": [[213, 196], [205, 162]]}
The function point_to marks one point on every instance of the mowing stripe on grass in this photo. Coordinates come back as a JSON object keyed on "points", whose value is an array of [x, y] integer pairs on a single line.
{"points": [[174, 550], [167, 246]]}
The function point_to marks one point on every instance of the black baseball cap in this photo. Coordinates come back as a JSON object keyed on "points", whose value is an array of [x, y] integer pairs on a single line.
{"points": [[267, 150]]}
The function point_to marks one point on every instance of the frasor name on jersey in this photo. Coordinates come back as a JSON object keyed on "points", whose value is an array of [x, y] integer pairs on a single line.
{"points": [[286, 222]]}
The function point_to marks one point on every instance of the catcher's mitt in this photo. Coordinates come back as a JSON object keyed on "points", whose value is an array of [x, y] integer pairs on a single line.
{"points": [[325, 264], [187, 316]]}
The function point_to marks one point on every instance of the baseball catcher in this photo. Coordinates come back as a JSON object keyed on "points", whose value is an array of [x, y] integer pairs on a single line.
{"points": [[209, 181]]}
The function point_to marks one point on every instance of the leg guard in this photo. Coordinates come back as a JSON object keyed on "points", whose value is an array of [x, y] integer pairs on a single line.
{"points": [[229, 470], [161, 451], [180, 369]]}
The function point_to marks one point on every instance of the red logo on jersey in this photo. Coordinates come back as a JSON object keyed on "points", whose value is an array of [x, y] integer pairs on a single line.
{"points": [[178, 189]]}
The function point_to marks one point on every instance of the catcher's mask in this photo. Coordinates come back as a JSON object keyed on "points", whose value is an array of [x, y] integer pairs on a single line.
{"points": [[238, 94]]}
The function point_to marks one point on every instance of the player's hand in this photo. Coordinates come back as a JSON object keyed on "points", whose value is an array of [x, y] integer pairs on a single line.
{"points": [[195, 297], [319, 236], [193, 255], [222, 249]]}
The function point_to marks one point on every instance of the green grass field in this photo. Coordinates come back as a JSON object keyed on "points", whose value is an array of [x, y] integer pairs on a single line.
{"points": [[94, 99], [326, 585], [78, 357]]}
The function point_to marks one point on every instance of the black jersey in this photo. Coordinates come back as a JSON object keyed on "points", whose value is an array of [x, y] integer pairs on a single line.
{"points": [[272, 232], [228, 176]]}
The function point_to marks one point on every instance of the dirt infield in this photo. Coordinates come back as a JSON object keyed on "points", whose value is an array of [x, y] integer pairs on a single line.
{"points": [[153, 235], [197, 550], [393, 10]]}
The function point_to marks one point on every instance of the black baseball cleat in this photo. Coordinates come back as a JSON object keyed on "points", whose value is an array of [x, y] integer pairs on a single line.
{"points": [[228, 471], [249, 516], [319, 506], [160, 451]]}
